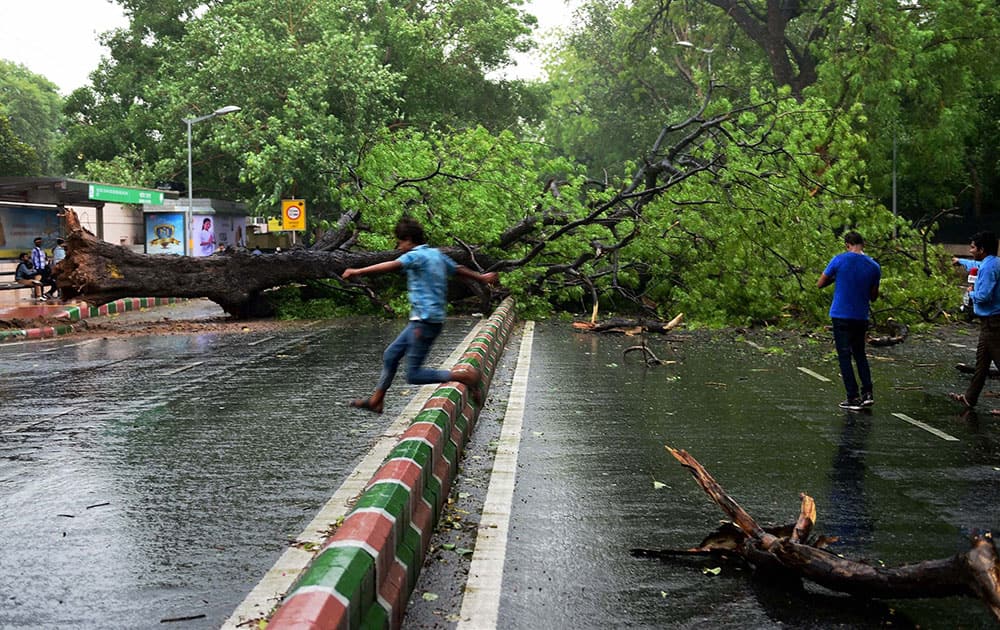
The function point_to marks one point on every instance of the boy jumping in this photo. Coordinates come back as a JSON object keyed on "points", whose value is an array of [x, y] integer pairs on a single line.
{"points": [[427, 273]]}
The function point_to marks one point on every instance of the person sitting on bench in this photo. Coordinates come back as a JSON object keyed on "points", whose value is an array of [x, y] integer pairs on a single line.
{"points": [[29, 276]]}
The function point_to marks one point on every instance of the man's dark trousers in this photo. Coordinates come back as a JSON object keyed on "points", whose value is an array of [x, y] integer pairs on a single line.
{"points": [[987, 351], [849, 338]]}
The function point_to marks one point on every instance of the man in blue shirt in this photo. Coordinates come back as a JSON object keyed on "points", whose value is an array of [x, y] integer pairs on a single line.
{"points": [[986, 305], [427, 273], [856, 278]]}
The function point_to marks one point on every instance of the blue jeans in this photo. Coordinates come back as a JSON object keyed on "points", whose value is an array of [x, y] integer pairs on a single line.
{"points": [[849, 337], [415, 341]]}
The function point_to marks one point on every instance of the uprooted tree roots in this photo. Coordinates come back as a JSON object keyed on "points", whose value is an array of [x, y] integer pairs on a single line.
{"points": [[793, 550]]}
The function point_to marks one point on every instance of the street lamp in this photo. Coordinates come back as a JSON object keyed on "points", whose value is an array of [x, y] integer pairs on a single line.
{"points": [[222, 111]]}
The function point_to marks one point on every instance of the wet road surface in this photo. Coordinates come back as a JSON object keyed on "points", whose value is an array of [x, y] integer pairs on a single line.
{"points": [[161, 477], [593, 446], [156, 478]]}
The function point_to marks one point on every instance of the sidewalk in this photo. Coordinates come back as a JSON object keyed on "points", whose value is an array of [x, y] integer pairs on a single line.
{"points": [[70, 315]]}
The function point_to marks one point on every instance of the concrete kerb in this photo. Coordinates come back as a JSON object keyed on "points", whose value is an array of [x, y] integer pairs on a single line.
{"points": [[74, 314], [364, 573]]}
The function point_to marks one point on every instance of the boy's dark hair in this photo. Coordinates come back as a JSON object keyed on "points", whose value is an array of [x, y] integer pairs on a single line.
{"points": [[985, 240], [409, 229], [22, 255], [853, 238]]}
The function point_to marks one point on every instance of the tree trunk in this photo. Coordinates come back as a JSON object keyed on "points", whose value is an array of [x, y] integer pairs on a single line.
{"points": [[975, 573], [99, 272]]}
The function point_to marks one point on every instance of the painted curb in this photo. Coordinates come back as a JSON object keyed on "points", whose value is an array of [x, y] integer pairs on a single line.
{"points": [[364, 573], [75, 314]]}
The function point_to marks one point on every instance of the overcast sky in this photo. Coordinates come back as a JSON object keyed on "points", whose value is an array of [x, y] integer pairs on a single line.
{"points": [[58, 39]]}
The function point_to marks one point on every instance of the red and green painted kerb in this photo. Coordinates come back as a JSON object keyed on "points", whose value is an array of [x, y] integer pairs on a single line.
{"points": [[77, 313], [365, 572]]}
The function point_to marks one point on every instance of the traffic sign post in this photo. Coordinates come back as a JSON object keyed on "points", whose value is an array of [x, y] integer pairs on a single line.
{"points": [[293, 214]]}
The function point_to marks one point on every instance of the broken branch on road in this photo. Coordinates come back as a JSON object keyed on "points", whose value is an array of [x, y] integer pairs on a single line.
{"points": [[795, 553]]}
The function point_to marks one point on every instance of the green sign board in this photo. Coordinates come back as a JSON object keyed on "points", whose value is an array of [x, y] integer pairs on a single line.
{"points": [[119, 194]]}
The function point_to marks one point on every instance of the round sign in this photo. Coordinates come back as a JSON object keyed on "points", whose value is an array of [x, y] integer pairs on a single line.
{"points": [[293, 212]]}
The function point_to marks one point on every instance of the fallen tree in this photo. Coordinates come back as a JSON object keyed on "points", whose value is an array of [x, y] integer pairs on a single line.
{"points": [[99, 272], [714, 220], [794, 552]]}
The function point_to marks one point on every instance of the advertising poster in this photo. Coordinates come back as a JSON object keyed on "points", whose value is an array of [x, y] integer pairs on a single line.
{"points": [[204, 235], [222, 231], [164, 234], [20, 225]]}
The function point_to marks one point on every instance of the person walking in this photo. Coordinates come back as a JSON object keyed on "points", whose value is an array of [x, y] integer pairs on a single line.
{"points": [[856, 279], [986, 305], [427, 272]]}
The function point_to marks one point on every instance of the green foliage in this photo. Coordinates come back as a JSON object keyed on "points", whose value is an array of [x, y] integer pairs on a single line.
{"points": [[32, 105], [386, 108], [925, 75], [740, 245], [17, 158], [315, 80]]}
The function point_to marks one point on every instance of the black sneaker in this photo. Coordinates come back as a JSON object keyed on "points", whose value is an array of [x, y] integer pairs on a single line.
{"points": [[867, 399], [854, 404]]}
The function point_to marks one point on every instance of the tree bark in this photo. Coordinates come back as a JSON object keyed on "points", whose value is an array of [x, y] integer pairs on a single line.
{"points": [[975, 573], [98, 272]]}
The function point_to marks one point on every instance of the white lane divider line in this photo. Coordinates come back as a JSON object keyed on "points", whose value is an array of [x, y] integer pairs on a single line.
{"points": [[818, 377], [184, 368], [754, 345], [481, 602], [277, 582], [72, 345], [259, 341], [958, 345], [926, 427]]}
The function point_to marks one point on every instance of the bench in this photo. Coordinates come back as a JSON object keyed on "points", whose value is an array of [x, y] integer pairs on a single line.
{"points": [[7, 282]]}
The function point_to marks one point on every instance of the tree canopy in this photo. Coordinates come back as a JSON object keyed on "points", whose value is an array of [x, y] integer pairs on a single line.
{"points": [[701, 156], [33, 109]]}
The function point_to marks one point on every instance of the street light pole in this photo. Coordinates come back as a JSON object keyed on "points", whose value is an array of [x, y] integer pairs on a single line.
{"points": [[188, 231]]}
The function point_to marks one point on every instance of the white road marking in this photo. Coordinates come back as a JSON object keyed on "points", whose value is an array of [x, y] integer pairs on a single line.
{"points": [[818, 377], [755, 345], [481, 603], [925, 427], [957, 345], [186, 367], [254, 343], [276, 582], [72, 345]]}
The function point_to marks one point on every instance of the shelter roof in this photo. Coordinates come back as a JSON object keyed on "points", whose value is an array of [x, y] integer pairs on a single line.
{"points": [[59, 191]]}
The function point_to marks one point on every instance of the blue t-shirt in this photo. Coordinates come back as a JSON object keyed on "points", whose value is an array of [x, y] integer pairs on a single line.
{"points": [[985, 296], [427, 273], [854, 276]]}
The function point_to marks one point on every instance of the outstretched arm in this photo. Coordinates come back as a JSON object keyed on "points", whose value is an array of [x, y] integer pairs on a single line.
{"points": [[484, 278], [372, 270]]}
